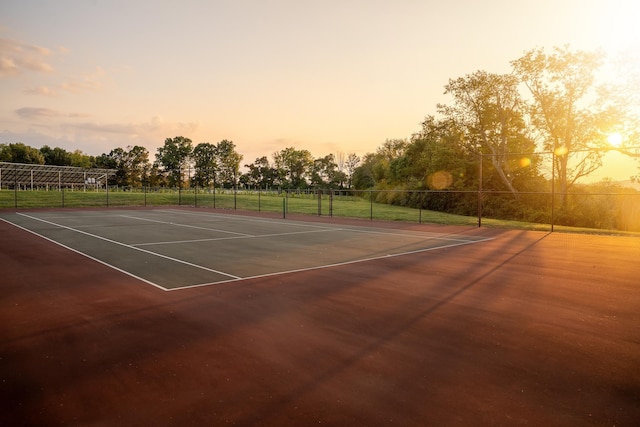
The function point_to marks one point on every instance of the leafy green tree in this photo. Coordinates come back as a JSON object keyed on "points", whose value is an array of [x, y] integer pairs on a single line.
{"points": [[174, 157], [229, 162], [363, 177], [293, 167], [205, 158], [81, 160], [376, 168], [324, 172], [132, 164], [387, 170], [118, 156], [562, 113], [488, 109], [20, 153], [56, 156], [261, 174], [156, 177], [439, 157], [392, 149]]}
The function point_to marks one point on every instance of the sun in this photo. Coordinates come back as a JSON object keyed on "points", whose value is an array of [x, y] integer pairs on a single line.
{"points": [[615, 139]]}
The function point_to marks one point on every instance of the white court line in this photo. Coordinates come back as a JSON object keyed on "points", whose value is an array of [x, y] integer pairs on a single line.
{"points": [[244, 218], [338, 264], [246, 236], [185, 225], [128, 246], [78, 216]]}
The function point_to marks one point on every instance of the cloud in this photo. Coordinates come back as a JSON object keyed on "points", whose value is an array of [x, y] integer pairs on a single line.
{"points": [[87, 83], [90, 82], [56, 128], [117, 128], [17, 58], [34, 113], [157, 126], [41, 90], [92, 136]]}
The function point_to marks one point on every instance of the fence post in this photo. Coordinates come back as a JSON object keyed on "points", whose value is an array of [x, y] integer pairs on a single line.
{"points": [[180, 186], [553, 187], [480, 194], [15, 188], [331, 203], [371, 205]]}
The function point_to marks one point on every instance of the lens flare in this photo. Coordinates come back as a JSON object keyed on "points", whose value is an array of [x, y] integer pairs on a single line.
{"points": [[525, 162], [440, 180], [561, 151]]}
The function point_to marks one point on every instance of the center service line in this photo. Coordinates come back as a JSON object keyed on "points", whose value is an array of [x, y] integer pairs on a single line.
{"points": [[186, 225], [216, 239]]}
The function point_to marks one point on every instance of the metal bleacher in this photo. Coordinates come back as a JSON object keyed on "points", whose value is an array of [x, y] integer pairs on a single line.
{"points": [[31, 177]]}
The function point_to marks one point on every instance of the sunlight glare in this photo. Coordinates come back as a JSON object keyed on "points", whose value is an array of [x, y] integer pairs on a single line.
{"points": [[615, 139]]}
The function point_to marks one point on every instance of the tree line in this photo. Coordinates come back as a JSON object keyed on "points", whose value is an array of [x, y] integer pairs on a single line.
{"points": [[179, 163]]}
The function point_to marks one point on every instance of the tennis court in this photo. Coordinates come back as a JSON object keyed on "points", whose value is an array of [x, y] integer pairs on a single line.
{"points": [[311, 321], [175, 249]]}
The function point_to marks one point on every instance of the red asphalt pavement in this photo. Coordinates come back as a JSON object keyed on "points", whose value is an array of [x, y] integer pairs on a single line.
{"points": [[528, 329]]}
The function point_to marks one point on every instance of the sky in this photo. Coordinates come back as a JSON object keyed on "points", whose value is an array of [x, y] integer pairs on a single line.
{"points": [[327, 76]]}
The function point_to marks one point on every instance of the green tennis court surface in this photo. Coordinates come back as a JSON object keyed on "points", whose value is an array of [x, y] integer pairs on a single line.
{"points": [[174, 249]]}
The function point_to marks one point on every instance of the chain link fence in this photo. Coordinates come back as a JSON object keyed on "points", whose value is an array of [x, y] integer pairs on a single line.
{"points": [[539, 202]]}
